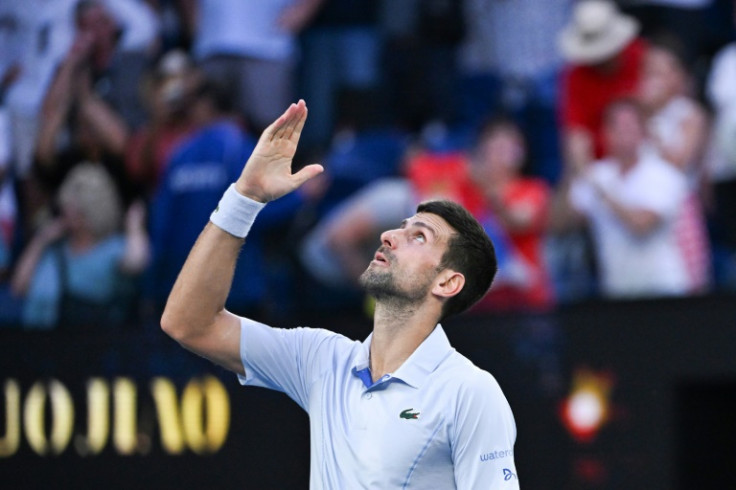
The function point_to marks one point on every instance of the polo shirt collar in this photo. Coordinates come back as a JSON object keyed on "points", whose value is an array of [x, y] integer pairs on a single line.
{"points": [[420, 364]]}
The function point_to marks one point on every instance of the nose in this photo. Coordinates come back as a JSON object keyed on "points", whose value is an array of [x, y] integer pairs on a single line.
{"points": [[388, 239]]}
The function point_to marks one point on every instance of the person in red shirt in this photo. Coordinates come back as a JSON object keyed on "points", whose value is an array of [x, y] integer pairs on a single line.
{"points": [[604, 57], [515, 215]]}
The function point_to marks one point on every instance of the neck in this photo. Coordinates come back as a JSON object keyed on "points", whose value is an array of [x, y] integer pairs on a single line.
{"points": [[500, 180], [81, 241], [608, 67], [627, 161], [398, 329]]}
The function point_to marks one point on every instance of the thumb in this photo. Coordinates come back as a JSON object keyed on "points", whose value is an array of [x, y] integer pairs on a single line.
{"points": [[307, 173]]}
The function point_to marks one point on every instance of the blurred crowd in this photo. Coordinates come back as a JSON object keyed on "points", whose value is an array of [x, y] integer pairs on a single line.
{"points": [[594, 140]]}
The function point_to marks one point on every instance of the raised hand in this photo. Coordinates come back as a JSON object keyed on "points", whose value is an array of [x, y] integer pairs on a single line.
{"points": [[267, 174]]}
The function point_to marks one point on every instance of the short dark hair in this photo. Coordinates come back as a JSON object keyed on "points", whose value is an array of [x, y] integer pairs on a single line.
{"points": [[670, 42], [496, 124], [469, 251], [217, 94], [82, 7]]}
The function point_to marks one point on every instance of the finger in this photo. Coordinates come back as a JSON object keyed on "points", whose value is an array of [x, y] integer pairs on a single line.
{"points": [[299, 124], [291, 118], [270, 132], [297, 115], [308, 172], [275, 130]]}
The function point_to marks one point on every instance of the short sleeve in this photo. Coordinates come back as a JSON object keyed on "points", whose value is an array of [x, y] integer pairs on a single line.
{"points": [[485, 433], [42, 301], [286, 360], [582, 196]]}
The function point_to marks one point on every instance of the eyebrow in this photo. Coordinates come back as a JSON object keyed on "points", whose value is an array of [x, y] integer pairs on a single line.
{"points": [[420, 224]]}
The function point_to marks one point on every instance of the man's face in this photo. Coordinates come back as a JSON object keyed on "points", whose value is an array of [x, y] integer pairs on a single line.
{"points": [[97, 23], [500, 154], [623, 131], [407, 263]]}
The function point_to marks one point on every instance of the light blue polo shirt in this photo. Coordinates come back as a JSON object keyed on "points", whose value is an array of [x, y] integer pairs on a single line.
{"points": [[437, 422]]}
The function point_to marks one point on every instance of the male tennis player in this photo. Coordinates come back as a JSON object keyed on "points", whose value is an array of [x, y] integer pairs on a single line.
{"points": [[402, 409]]}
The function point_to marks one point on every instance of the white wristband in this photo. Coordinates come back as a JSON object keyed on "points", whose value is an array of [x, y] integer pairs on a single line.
{"points": [[236, 213]]}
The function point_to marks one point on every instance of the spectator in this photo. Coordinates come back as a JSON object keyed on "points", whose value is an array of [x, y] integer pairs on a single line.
{"points": [[510, 64], [138, 31], [78, 124], [198, 173], [706, 23], [721, 163], [604, 57], [34, 36], [169, 94], [678, 126], [77, 269], [250, 47], [519, 207], [632, 200]]}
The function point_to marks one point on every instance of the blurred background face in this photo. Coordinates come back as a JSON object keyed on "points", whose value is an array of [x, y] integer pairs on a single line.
{"points": [[96, 23], [72, 216], [662, 77], [95, 20], [623, 130], [500, 153]]}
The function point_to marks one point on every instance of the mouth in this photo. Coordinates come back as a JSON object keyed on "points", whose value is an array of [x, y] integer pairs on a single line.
{"points": [[380, 258]]}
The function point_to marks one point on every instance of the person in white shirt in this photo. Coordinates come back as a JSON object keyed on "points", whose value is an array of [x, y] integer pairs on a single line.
{"points": [[400, 409], [632, 200]]}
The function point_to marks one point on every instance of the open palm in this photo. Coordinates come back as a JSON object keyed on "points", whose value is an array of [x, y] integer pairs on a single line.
{"points": [[267, 174]]}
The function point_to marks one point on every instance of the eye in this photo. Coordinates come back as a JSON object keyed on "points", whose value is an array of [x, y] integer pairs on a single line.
{"points": [[420, 237]]}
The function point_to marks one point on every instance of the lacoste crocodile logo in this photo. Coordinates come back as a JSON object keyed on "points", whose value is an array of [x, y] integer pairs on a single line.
{"points": [[408, 414]]}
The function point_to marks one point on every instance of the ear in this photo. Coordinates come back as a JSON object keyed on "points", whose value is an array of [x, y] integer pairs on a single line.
{"points": [[448, 284]]}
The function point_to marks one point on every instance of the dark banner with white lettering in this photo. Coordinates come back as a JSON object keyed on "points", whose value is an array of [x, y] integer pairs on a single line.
{"points": [[605, 395]]}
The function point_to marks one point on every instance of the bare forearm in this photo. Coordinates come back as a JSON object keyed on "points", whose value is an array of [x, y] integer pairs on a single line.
{"points": [[55, 108], [562, 217], [200, 291], [638, 221], [109, 127], [578, 149], [27, 263], [60, 94]]}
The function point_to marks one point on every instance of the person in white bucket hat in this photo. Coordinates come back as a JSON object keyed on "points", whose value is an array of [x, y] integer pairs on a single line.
{"points": [[604, 56], [597, 32]]}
